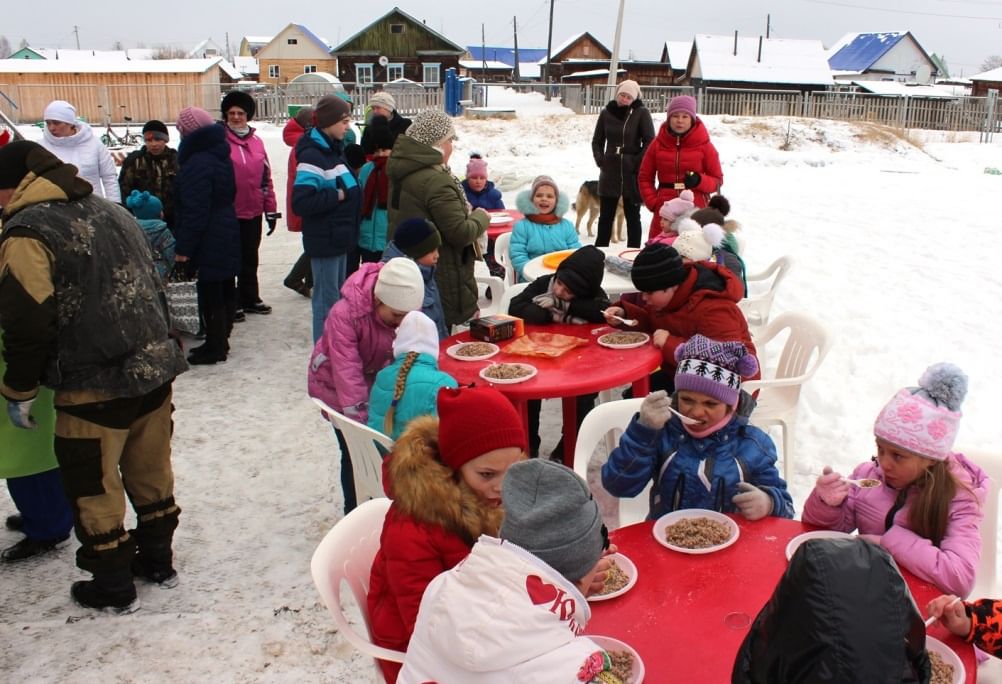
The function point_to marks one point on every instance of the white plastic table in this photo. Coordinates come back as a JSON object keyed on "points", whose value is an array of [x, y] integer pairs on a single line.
{"points": [[613, 283]]}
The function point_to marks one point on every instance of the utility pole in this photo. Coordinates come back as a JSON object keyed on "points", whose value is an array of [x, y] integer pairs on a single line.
{"points": [[549, 47], [229, 58], [614, 63], [76, 32], [768, 24], [515, 74]]}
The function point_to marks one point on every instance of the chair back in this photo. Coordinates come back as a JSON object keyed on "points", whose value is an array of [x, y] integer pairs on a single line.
{"points": [[366, 449], [502, 254], [345, 556], [509, 294], [758, 304], [496, 287], [610, 416], [986, 577]]}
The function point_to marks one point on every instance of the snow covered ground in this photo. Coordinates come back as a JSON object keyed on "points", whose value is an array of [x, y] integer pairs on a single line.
{"points": [[893, 244]]}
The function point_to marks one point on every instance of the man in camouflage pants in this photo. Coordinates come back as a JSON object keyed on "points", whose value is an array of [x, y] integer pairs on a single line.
{"points": [[83, 312]]}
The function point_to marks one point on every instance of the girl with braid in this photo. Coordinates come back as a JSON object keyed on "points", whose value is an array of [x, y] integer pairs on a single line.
{"points": [[407, 388]]}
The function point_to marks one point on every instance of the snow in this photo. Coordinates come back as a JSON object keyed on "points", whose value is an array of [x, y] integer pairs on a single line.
{"points": [[886, 255], [898, 89], [782, 60]]}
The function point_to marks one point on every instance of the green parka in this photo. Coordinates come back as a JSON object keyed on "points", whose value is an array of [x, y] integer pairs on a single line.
{"points": [[27, 452], [421, 186]]}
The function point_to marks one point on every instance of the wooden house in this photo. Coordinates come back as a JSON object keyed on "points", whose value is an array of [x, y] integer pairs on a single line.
{"points": [[985, 81], [757, 63], [581, 52], [396, 46], [295, 50], [251, 45], [881, 57]]}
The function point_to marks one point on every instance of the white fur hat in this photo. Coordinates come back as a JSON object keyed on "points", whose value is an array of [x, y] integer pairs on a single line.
{"points": [[697, 242], [60, 110], [417, 333], [399, 285]]}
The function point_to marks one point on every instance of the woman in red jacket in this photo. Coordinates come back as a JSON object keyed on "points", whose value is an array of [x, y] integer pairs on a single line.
{"points": [[444, 476], [680, 157], [300, 278]]}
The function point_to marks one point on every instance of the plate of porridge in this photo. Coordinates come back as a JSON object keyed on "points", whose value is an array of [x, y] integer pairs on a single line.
{"points": [[508, 373], [947, 667], [621, 578], [795, 543], [623, 339], [695, 531], [626, 662], [472, 351]]}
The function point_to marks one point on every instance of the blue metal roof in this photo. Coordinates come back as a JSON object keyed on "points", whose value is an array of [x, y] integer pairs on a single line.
{"points": [[505, 54], [863, 51]]}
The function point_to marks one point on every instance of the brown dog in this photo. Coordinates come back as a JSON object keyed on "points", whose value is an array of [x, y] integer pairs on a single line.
{"points": [[588, 202]]}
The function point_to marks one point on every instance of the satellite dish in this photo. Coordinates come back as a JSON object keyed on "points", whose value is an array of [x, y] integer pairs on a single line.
{"points": [[384, 60], [923, 74]]}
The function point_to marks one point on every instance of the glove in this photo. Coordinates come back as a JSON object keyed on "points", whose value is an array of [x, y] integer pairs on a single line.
{"points": [[545, 301], [753, 503], [692, 179], [831, 487], [20, 413], [355, 156], [271, 218], [654, 411]]}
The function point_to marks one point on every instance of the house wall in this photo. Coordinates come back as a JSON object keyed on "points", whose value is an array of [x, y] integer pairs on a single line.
{"points": [[981, 88], [413, 66], [902, 61], [288, 69]]}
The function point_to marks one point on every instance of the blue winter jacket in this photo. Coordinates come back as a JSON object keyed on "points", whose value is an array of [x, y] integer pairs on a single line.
{"points": [[420, 393], [162, 243], [205, 223], [530, 240], [695, 473], [372, 229], [489, 198], [330, 223], [432, 306]]}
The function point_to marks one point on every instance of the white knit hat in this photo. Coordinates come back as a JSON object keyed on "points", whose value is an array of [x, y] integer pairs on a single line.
{"points": [[400, 285], [416, 333], [383, 99], [60, 110], [697, 242]]}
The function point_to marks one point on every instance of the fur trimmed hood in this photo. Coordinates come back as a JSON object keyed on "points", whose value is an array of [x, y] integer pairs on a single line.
{"points": [[524, 203], [425, 489]]}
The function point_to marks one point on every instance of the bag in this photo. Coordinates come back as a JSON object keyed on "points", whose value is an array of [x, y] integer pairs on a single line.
{"points": [[182, 302]]}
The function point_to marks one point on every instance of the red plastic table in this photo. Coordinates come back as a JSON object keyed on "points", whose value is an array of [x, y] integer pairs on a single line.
{"points": [[675, 614], [583, 370], [496, 229]]}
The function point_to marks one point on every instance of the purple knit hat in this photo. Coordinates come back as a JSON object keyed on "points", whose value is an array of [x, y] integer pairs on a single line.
{"points": [[677, 206], [682, 103], [190, 119], [713, 368], [925, 419]]}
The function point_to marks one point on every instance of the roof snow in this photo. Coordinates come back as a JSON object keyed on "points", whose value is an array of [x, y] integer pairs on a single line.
{"points": [[474, 64], [783, 60]]}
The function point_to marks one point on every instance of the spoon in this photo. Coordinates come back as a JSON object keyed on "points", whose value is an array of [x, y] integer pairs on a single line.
{"points": [[864, 483], [625, 321], [929, 621], [684, 418]]}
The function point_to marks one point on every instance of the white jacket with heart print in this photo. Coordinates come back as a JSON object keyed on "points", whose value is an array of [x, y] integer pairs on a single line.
{"points": [[502, 615]]}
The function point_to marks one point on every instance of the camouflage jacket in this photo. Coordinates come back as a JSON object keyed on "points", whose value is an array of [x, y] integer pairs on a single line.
{"points": [[142, 171]]}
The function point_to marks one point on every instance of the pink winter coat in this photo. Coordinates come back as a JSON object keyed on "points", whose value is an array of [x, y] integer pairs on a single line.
{"points": [[291, 135], [951, 565], [355, 345], [252, 172]]}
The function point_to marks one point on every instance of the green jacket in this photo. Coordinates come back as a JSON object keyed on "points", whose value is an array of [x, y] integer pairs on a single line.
{"points": [[27, 452], [421, 186]]}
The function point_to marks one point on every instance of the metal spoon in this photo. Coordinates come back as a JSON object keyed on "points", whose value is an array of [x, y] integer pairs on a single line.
{"points": [[625, 321], [864, 483]]}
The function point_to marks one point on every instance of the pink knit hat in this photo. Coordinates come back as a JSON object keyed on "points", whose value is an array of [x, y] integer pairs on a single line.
{"points": [[476, 167], [925, 419], [685, 104], [191, 119], [674, 208]]}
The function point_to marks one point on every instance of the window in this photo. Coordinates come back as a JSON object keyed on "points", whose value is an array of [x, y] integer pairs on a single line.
{"points": [[430, 73], [363, 73], [292, 41], [274, 71], [394, 71], [309, 68], [396, 28]]}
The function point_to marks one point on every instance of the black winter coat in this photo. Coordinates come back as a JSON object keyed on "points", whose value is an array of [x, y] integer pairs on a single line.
{"points": [[522, 305], [621, 137], [206, 226]]}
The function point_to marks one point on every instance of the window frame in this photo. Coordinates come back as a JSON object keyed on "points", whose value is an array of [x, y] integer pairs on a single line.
{"points": [[391, 66], [274, 71], [437, 66], [309, 68], [365, 66]]}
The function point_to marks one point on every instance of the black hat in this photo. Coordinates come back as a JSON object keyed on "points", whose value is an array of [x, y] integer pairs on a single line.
{"points": [[238, 98], [156, 126], [582, 271], [377, 135], [658, 267], [14, 162], [416, 237]]}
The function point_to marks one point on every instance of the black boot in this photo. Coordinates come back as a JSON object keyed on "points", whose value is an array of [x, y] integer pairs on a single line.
{"points": [[160, 573], [14, 522], [110, 592], [154, 559], [29, 548]]}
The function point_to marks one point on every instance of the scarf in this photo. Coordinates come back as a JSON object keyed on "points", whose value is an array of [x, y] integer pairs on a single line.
{"points": [[241, 132], [707, 431], [545, 219], [376, 187]]}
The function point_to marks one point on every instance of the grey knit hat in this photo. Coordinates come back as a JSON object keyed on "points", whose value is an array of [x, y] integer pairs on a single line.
{"points": [[431, 127], [549, 512]]}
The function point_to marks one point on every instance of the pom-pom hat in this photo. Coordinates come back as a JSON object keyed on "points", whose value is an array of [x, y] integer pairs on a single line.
{"points": [[143, 205], [473, 421], [399, 285], [925, 419], [713, 368], [476, 167], [678, 206], [695, 242]]}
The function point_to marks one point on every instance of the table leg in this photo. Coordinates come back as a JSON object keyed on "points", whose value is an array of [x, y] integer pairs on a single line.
{"points": [[570, 411], [522, 406]]}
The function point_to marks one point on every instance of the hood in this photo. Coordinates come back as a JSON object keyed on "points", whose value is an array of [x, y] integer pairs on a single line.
{"points": [[697, 135], [358, 290], [392, 252], [492, 593], [707, 275], [524, 203], [425, 489], [48, 180], [487, 188], [292, 132], [206, 139], [970, 474], [83, 136], [409, 156]]}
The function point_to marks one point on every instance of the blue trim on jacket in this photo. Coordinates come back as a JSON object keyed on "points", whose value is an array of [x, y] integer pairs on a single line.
{"points": [[432, 305], [330, 223], [372, 229]]}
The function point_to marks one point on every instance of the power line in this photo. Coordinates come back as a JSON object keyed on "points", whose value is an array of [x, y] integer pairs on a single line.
{"points": [[900, 11]]}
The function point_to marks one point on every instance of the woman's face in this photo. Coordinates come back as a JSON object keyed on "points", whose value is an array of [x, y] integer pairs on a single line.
{"points": [[378, 110], [704, 408], [624, 99], [60, 129], [900, 467], [477, 183], [545, 199], [236, 117], [680, 122], [485, 473]]}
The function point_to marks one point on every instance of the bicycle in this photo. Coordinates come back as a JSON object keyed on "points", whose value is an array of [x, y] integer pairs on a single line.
{"points": [[113, 140]]}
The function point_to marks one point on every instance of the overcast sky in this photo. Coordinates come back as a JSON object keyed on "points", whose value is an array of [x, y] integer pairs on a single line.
{"points": [[963, 31]]}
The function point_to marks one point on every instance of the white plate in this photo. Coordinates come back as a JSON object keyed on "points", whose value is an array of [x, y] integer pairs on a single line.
{"points": [[631, 345], [610, 644], [817, 534], [671, 518], [627, 566], [949, 657], [497, 220], [513, 381], [453, 351]]}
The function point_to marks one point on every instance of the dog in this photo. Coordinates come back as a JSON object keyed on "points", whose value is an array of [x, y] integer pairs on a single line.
{"points": [[588, 202]]}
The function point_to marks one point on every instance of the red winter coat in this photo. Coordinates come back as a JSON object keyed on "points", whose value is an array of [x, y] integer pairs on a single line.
{"points": [[430, 527], [666, 162], [291, 135], [705, 303]]}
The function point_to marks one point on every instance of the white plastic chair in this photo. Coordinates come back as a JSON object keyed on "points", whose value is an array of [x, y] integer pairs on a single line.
{"points": [[779, 396], [495, 286], [366, 449], [509, 294], [502, 253], [345, 555], [986, 584], [607, 422], [757, 306]]}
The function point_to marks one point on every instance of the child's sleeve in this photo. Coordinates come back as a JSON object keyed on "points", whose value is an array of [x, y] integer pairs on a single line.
{"points": [[590, 309], [347, 374], [986, 625], [841, 518], [496, 202], [519, 247], [766, 477], [631, 464], [571, 238], [522, 305], [313, 193]]}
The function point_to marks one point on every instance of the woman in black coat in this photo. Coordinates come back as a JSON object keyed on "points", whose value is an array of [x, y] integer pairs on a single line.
{"points": [[622, 133]]}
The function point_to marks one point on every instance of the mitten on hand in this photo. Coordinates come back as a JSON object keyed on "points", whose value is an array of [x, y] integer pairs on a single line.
{"points": [[655, 410], [545, 301], [355, 156], [831, 487], [271, 218], [20, 413], [692, 179], [753, 502]]}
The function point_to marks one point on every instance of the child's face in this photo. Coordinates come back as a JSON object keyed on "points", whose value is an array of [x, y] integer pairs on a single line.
{"points": [[900, 467], [339, 129], [665, 225], [382, 153], [429, 259], [702, 407], [680, 122], [485, 473], [658, 299], [390, 316], [545, 199], [561, 291], [477, 183]]}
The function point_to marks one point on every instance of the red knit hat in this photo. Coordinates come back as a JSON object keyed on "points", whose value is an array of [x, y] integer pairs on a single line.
{"points": [[473, 421]]}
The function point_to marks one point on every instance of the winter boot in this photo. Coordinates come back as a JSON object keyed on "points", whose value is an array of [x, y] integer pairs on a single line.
{"points": [[109, 592], [29, 548], [14, 522], [154, 558], [155, 566]]}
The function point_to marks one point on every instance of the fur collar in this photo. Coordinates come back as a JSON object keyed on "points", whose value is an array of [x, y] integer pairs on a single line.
{"points": [[524, 203], [425, 489], [58, 183]]}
